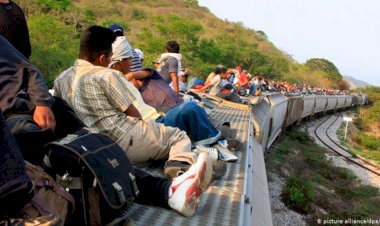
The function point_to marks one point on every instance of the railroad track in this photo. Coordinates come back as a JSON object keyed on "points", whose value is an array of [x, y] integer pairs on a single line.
{"points": [[322, 134]]}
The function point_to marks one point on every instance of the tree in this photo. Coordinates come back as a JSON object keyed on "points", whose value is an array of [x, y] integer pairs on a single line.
{"points": [[320, 64]]}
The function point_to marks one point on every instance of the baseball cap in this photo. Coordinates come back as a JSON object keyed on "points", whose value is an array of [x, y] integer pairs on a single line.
{"points": [[117, 29]]}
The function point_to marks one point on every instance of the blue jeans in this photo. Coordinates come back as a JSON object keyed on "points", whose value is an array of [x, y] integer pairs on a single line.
{"points": [[192, 119], [252, 89]]}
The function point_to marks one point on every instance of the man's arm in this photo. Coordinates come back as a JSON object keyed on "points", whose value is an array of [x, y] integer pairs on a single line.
{"points": [[204, 88], [39, 94], [44, 117], [174, 77], [132, 111], [138, 74]]}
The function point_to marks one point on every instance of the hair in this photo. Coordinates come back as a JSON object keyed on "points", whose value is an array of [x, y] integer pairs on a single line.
{"points": [[172, 46], [95, 41], [219, 70]]}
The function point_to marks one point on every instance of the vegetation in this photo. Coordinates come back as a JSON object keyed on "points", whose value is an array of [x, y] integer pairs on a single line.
{"points": [[358, 142], [299, 194], [55, 28], [365, 138], [315, 187]]}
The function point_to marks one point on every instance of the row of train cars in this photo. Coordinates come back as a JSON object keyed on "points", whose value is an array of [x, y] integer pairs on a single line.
{"points": [[287, 110], [272, 114]]}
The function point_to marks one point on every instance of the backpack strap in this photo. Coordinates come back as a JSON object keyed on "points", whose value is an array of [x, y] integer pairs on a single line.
{"points": [[57, 189]]}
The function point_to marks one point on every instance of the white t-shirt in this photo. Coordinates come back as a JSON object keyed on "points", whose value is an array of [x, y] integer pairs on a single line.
{"points": [[216, 85]]}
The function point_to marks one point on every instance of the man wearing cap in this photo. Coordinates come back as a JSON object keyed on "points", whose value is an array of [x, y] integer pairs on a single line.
{"points": [[102, 100], [186, 116]]}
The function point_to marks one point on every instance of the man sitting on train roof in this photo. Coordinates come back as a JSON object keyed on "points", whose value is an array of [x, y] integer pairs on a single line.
{"points": [[103, 102], [187, 116], [155, 92], [220, 87]]}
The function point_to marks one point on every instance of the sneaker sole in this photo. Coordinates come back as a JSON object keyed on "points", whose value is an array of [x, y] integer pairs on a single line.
{"points": [[205, 173]]}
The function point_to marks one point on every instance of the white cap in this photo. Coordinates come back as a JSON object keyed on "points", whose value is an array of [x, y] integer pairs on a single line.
{"points": [[121, 49]]}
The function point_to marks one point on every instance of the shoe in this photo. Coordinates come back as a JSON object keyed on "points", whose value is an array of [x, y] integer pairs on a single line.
{"points": [[234, 144], [223, 143], [52, 219], [175, 168], [185, 190], [218, 166], [225, 154], [226, 131], [212, 152]]}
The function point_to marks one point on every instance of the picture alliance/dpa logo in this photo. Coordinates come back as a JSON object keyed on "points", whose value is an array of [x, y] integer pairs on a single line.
{"points": [[349, 221]]}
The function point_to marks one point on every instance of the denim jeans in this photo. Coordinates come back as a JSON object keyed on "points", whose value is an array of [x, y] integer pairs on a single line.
{"points": [[191, 118], [252, 89]]}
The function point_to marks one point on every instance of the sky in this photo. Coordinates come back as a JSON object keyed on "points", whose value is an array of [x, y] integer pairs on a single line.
{"points": [[345, 32]]}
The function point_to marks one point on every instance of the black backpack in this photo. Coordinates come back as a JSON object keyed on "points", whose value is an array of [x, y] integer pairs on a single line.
{"points": [[103, 172]]}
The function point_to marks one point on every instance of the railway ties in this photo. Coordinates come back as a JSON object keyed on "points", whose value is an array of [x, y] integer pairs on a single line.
{"points": [[322, 133]]}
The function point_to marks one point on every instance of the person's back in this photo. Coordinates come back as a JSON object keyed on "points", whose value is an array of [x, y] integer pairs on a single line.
{"points": [[157, 93], [13, 26], [170, 64], [87, 88]]}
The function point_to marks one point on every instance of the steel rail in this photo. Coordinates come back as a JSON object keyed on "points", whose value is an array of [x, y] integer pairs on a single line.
{"points": [[344, 149]]}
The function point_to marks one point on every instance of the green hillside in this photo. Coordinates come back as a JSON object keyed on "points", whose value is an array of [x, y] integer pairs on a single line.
{"points": [[55, 27]]}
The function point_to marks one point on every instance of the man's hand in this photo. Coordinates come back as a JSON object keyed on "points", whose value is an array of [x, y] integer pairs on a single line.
{"points": [[44, 117]]}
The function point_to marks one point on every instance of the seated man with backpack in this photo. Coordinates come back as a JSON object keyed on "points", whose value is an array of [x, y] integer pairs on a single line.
{"points": [[32, 114], [102, 101], [16, 189]]}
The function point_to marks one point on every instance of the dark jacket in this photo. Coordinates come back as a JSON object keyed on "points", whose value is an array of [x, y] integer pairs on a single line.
{"points": [[22, 86], [14, 28]]}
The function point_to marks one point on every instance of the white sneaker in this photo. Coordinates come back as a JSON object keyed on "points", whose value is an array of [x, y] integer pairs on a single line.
{"points": [[225, 154], [185, 190], [223, 143], [212, 152]]}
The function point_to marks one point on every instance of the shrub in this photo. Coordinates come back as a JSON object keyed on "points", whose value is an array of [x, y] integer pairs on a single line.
{"points": [[298, 135], [369, 142], [298, 194]]}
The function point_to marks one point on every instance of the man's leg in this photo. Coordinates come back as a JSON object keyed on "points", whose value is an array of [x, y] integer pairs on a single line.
{"points": [[252, 89], [153, 141], [16, 189], [29, 136], [181, 193], [153, 190], [193, 119]]}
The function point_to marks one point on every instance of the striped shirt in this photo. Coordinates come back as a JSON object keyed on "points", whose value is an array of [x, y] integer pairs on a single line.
{"points": [[136, 62], [98, 96]]}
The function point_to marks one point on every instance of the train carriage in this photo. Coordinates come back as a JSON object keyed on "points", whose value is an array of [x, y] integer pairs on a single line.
{"points": [[341, 101], [295, 106], [279, 106], [320, 104], [308, 106], [348, 101], [355, 100], [332, 101]]}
